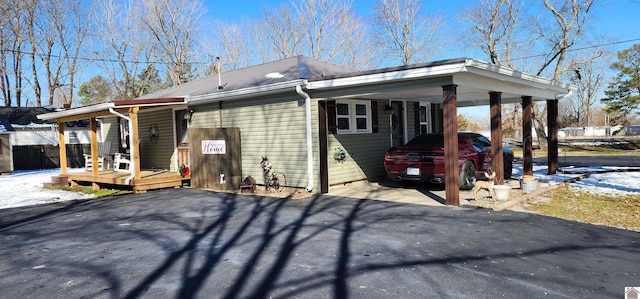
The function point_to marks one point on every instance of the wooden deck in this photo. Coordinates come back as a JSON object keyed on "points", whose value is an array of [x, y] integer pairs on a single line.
{"points": [[149, 180]]}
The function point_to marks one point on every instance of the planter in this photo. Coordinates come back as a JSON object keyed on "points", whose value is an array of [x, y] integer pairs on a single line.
{"points": [[501, 191], [528, 185]]}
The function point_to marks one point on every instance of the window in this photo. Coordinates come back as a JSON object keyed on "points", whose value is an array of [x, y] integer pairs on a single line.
{"points": [[353, 116], [424, 118]]}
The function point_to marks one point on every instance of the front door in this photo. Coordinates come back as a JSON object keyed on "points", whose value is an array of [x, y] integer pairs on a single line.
{"points": [[182, 137], [397, 124]]}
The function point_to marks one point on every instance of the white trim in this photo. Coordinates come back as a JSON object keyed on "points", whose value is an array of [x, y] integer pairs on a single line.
{"points": [[428, 116], [353, 117]]}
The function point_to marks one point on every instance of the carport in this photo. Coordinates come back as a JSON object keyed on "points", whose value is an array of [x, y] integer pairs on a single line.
{"points": [[457, 83]]}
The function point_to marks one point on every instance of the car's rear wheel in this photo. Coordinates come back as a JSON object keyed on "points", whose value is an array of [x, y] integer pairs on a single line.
{"points": [[467, 175], [508, 168]]}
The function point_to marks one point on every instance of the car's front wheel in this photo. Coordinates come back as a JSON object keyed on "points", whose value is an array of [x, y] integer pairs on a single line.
{"points": [[467, 176], [508, 168]]}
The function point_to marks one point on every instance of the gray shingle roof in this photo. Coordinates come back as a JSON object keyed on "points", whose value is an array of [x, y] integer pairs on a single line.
{"points": [[294, 68]]}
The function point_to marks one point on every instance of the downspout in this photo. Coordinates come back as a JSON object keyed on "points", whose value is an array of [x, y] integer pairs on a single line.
{"points": [[568, 94], [132, 175], [307, 105]]}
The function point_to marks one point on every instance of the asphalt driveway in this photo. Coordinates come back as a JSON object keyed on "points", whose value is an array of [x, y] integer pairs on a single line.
{"points": [[186, 243]]}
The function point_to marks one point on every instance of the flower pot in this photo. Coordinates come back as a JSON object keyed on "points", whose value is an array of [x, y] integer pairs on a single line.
{"points": [[501, 191], [528, 185]]}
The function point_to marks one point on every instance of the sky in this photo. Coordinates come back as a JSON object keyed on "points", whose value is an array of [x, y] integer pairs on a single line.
{"points": [[25, 188], [617, 19]]}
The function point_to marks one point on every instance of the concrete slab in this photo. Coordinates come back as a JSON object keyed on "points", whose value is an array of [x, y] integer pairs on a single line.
{"points": [[420, 194]]}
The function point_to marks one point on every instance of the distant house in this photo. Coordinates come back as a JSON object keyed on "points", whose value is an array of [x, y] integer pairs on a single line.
{"points": [[300, 112], [30, 136]]}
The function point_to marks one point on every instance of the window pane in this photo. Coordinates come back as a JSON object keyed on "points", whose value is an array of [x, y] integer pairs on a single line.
{"points": [[361, 109], [423, 129], [361, 123], [342, 109], [343, 123], [423, 114]]}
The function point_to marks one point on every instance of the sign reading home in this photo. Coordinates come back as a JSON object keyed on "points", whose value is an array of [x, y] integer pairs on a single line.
{"points": [[214, 147]]}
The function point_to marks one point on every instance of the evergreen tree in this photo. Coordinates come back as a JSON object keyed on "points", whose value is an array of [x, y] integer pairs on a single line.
{"points": [[623, 94], [96, 90]]}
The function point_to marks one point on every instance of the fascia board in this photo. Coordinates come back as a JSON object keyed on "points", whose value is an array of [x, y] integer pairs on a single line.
{"points": [[507, 87], [504, 74], [410, 74], [76, 111], [245, 92]]}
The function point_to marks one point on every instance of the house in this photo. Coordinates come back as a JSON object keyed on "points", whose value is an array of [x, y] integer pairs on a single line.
{"points": [[33, 142], [6, 150], [319, 123]]}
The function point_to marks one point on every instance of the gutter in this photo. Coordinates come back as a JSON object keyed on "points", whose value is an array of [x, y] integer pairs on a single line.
{"points": [[131, 157], [307, 105]]}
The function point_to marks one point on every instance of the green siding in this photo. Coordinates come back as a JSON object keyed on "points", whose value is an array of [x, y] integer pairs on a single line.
{"points": [[269, 126], [156, 155], [109, 128], [365, 152]]}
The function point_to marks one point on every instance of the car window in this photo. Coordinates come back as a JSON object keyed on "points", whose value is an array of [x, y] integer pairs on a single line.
{"points": [[480, 143], [427, 140]]}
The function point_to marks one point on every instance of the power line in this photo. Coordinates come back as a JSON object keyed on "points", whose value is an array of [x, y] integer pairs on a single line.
{"points": [[207, 63], [96, 59], [582, 48]]}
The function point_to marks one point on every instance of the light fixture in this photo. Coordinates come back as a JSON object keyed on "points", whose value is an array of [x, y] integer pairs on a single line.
{"points": [[188, 114]]}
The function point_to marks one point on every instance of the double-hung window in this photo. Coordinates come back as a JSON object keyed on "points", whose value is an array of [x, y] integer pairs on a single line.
{"points": [[353, 116]]}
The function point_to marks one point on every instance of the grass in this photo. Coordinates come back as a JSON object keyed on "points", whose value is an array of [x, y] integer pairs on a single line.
{"points": [[615, 211], [627, 148], [97, 193]]}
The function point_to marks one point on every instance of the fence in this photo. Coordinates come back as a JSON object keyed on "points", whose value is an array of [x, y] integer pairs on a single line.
{"points": [[30, 157]]}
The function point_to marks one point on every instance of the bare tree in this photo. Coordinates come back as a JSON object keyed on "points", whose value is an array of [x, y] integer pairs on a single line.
{"points": [[554, 32], [123, 43], [331, 31], [173, 26], [494, 26], [13, 44], [71, 22], [233, 47], [404, 32], [277, 35], [589, 78]]}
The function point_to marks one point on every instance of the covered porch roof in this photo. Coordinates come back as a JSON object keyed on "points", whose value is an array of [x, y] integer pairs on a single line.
{"points": [[424, 81]]}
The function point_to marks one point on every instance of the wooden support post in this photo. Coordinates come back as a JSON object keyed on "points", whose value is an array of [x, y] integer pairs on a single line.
{"points": [[95, 167], [62, 149], [552, 121], [135, 139], [451, 172], [527, 142], [495, 101]]}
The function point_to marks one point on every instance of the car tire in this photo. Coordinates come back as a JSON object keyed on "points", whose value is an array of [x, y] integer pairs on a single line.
{"points": [[467, 176], [508, 168]]}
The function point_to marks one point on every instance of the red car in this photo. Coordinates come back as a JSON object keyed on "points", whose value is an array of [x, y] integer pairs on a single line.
{"points": [[422, 159]]}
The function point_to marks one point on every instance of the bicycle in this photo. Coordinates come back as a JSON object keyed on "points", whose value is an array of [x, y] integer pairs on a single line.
{"points": [[276, 180]]}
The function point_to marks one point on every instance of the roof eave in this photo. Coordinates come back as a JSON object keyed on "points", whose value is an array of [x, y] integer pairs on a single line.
{"points": [[76, 111], [245, 92]]}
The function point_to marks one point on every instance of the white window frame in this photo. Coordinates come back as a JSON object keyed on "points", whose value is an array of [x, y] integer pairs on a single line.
{"points": [[352, 117], [427, 123]]}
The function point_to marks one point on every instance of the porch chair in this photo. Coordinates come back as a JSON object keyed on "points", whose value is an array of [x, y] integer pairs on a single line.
{"points": [[104, 149], [121, 162]]}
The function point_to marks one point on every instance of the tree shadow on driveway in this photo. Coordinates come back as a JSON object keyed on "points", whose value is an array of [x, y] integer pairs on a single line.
{"points": [[187, 243]]}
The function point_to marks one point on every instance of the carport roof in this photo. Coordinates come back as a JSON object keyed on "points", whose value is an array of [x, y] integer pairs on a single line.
{"points": [[424, 81]]}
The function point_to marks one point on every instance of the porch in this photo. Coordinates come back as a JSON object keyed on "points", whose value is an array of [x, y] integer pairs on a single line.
{"points": [[148, 180]]}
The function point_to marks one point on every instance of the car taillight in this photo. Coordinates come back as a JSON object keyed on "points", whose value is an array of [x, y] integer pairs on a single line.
{"points": [[395, 156]]}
